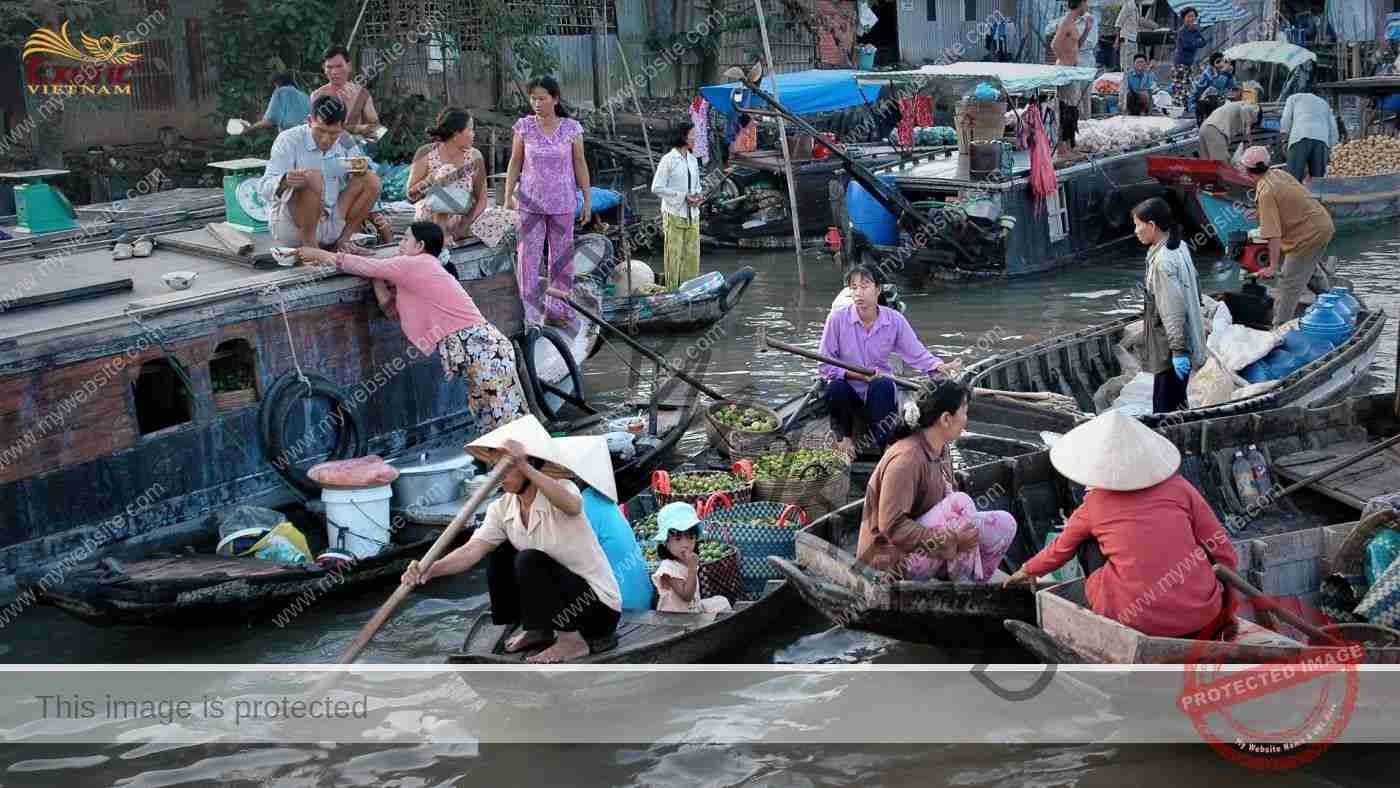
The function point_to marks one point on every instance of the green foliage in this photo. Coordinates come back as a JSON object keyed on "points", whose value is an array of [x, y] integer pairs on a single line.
{"points": [[405, 117], [271, 36], [516, 29]]}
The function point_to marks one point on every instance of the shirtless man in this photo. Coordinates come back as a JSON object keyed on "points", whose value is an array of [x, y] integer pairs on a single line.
{"points": [[1065, 46]]}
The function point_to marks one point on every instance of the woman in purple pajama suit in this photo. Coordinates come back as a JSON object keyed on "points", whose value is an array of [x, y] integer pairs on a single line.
{"points": [[546, 162]]}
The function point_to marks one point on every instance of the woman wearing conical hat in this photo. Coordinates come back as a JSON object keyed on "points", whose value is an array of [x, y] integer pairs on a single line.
{"points": [[547, 572], [1146, 537]]}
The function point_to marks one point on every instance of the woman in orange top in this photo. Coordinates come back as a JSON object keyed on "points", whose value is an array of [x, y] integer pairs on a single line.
{"points": [[1157, 535]]}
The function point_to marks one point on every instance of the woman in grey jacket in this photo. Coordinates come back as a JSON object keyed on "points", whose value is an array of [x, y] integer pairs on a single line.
{"points": [[1173, 327]]}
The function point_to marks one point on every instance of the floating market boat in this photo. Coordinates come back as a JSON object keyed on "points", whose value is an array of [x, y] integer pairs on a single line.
{"points": [[1079, 363], [694, 306], [848, 593], [99, 225]]}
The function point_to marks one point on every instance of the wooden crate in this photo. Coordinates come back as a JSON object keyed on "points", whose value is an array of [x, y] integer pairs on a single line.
{"points": [[1288, 564]]}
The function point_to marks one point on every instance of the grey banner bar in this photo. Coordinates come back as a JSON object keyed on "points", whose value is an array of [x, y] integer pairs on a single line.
{"points": [[773, 705]]}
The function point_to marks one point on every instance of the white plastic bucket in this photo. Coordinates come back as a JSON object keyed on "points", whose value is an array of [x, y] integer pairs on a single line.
{"points": [[360, 516]]}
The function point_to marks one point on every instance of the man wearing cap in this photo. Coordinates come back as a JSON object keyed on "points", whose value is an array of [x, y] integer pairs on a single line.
{"points": [[548, 575], [1297, 228], [1233, 119], [1137, 532]]}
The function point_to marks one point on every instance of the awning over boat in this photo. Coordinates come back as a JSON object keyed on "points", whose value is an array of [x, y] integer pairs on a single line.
{"points": [[1211, 11], [801, 92], [1281, 52], [1014, 78]]}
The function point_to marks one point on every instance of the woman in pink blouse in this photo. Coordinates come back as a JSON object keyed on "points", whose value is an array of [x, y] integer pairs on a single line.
{"points": [[436, 313], [546, 162]]}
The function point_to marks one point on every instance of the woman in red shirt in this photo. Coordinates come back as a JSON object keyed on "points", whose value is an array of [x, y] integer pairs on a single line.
{"points": [[1157, 535]]}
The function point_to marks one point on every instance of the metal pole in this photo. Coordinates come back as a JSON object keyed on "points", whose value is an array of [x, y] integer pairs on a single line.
{"points": [[782, 138], [627, 71]]}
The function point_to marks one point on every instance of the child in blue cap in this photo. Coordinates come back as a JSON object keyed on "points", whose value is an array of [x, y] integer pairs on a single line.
{"points": [[677, 579]]}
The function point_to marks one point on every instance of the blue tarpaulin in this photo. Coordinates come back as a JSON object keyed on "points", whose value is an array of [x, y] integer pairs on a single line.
{"points": [[802, 92], [1210, 11]]}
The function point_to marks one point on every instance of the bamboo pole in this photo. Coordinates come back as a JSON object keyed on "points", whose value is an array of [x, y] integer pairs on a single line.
{"points": [[607, 74], [627, 72], [782, 138]]}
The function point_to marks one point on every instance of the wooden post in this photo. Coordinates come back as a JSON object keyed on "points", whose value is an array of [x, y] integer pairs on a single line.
{"points": [[494, 164], [599, 40], [607, 73], [632, 88], [782, 138]]}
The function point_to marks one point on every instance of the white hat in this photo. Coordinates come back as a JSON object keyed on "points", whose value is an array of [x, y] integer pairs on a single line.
{"points": [[527, 430], [587, 457], [1115, 451]]}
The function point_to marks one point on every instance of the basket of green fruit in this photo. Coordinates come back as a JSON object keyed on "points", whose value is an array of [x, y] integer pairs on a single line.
{"points": [[695, 487], [741, 428], [719, 568], [818, 480], [758, 529]]}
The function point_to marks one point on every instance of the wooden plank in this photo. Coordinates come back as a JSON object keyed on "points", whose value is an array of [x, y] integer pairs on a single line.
{"points": [[233, 240], [1358, 483], [71, 288]]}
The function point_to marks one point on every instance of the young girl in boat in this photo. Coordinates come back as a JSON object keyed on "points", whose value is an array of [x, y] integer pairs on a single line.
{"points": [[677, 579]]}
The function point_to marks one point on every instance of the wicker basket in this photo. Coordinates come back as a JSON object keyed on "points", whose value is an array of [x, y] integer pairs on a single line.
{"points": [[817, 493], [755, 542], [733, 442], [718, 576], [661, 487], [979, 121]]}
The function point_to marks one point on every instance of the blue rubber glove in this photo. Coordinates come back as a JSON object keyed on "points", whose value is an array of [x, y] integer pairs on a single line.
{"points": [[1183, 366]]}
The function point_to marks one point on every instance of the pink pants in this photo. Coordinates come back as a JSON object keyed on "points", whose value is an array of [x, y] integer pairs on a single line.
{"points": [[995, 531], [559, 227]]}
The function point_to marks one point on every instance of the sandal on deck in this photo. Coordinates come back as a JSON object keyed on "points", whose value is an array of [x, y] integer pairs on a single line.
{"points": [[143, 247]]}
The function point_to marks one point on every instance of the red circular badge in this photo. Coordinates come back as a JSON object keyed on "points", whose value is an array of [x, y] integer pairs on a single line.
{"points": [[1321, 681]]}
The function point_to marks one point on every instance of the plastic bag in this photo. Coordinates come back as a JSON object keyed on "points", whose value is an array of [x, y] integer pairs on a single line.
{"points": [[1235, 160], [243, 517], [283, 543], [1239, 346], [1212, 384]]}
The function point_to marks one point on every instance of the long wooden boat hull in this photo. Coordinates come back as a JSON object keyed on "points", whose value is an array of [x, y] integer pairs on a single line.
{"points": [[676, 312], [1077, 364]]}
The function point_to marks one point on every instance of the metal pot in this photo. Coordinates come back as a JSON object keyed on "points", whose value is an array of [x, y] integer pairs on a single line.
{"points": [[431, 477]]}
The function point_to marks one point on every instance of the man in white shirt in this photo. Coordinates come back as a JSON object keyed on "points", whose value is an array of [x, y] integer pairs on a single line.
{"points": [[316, 197], [1309, 129]]}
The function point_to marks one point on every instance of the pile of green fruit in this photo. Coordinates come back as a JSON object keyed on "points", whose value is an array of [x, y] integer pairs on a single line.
{"points": [[709, 551], [646, 529], [742, 417], [704, 483], [794, 464]]}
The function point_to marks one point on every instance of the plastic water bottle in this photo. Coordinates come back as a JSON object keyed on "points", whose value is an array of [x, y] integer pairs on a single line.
{"points": [[1262, 481], [1244, 479]]}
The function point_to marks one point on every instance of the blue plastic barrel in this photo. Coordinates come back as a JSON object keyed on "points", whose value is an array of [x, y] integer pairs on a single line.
{"points": [[869, 216], [1324, 319], [1335, 301], [1306, 347], [1345, 298]]}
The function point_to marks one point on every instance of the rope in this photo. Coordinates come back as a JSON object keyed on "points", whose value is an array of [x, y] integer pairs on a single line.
{"points": [[291, 344]]}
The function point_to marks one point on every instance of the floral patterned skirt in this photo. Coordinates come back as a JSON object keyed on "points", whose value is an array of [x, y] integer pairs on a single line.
{"points": [[486, 359]]}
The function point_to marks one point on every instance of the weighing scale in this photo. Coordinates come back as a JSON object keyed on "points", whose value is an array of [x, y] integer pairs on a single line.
{"points": [[39, 207], [244, 208]]}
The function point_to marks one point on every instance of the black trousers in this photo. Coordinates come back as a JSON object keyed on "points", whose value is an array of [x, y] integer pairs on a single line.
{"points": [[530, 588], [1168, 392], [1307, 157], [1069, 123], [880, 408]]}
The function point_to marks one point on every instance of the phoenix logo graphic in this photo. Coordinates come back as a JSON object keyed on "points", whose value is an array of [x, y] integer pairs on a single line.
{"points": [[107, 49]]}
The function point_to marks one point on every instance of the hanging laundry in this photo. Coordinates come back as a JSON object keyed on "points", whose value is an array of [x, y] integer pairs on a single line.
{"points": [[914, 111], [747, 138], [700, 116], [1043, 180]]}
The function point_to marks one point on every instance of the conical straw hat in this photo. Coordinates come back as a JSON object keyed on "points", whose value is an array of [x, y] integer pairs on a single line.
{"points": [[527, 430], [588, 458], [1115, 451]]}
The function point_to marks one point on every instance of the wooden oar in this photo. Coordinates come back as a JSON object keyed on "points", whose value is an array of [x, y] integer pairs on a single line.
{"points": [[1228, 576], [448, 536], [1035, 396], [637, 346], [1343, 464]]}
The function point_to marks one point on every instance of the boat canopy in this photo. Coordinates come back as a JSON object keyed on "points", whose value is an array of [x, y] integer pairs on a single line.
{"points": [[1210, 11], [801, 92], [1282, 53], [1012, 78]]}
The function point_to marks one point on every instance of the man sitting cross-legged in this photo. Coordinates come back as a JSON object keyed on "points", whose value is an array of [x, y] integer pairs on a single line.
{"points": [[317, 197]]}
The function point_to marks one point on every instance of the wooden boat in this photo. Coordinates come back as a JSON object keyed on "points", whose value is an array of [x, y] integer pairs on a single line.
{"points": [[115, 430], [679, 310], [1078, 363], [1069, 632], [645, 637], [848, 593], [100, 224]]}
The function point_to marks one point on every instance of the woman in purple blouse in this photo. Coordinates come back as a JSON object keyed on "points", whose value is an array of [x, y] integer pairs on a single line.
{"points": [[864, 334], [546, 161]]}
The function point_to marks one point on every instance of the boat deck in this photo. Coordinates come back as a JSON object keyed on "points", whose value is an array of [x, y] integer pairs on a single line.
{"points": [[1354, 486]]}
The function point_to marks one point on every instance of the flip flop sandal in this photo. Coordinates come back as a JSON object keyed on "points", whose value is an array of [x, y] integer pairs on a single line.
{"points": [[143, 247], [122, 251]]}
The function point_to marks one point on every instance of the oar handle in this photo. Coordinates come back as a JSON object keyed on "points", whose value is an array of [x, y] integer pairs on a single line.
{"points": [[637, 346], [835, 362], [447, 537], [1344, 463], [1228, 575]]}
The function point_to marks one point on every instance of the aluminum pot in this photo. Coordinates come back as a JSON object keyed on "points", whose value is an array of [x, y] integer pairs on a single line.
{"points": [[432, 477]]}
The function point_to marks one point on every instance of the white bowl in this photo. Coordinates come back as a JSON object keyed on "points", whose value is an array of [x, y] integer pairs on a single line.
{"points": [[286, 256], [237, 126], [180, 280]]}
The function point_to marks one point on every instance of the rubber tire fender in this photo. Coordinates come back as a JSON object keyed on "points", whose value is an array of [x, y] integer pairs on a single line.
{"points": [[352, 437], [534, 334]]}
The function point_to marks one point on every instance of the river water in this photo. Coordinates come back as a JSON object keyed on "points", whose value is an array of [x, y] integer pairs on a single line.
{"points": [[964, 322]]}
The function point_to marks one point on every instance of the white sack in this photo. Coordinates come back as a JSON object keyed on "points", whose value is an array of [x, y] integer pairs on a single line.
{"points": [[1239, 346]]}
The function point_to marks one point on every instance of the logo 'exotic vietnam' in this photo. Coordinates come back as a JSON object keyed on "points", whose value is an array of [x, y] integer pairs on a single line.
{"points": [[105, 68]]}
